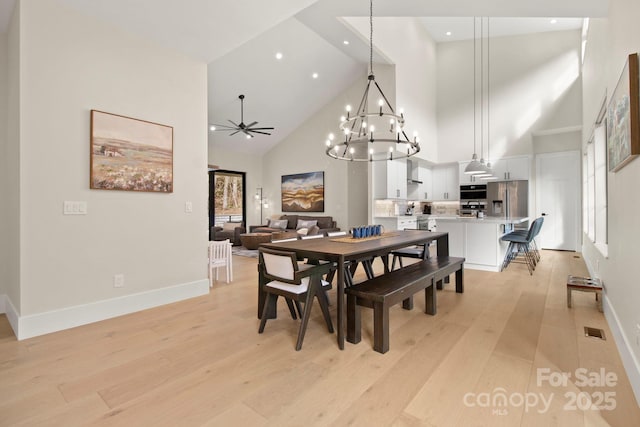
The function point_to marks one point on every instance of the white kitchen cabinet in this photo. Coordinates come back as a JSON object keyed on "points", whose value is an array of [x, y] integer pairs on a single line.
{"points": [[421, 191], [456, 230], [425, 190], [408, 222], [390, 179], [481, 243], [466, 179], [397, 222], [510, 168], [445, 183]]}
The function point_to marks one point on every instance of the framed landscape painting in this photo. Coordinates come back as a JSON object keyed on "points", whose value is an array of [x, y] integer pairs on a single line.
{"points": [[129, 154], [623, 117], [303, 192]]}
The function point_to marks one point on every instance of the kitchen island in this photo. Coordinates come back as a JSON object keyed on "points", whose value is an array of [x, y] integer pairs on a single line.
{"points": [[478, 239]]}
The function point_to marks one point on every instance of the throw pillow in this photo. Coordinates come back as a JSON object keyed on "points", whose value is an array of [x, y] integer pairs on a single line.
{"points": [[313, 231], [306, 224], [230, 226], [302, 231], [278, 223]]}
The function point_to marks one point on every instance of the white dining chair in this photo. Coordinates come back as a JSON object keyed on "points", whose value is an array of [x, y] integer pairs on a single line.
{"points": [[220, 256]]}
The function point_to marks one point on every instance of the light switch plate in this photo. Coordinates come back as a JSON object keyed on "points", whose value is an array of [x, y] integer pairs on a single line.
{"points": [[188, 207], [74, 207]]}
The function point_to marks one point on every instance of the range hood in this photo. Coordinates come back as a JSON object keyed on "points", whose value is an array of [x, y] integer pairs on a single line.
{"points": [[412, 172]]}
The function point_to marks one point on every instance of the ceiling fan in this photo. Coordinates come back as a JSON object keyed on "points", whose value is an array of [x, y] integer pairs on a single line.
{"points": [[248, 130]]}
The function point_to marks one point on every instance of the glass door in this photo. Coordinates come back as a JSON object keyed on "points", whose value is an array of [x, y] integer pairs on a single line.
{"points": [[227, 201]]}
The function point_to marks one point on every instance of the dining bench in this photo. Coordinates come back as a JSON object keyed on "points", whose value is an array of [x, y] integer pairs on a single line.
{"points": [[382, 292]]}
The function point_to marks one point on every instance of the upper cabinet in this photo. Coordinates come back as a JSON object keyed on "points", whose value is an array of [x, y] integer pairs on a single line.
{"points": [[419, 190], [445, 183], [466, 179], [390, 179], [505, 169], [510, 168]]}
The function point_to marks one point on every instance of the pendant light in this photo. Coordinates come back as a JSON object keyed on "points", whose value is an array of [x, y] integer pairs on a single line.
{"points": [[474, 167]]}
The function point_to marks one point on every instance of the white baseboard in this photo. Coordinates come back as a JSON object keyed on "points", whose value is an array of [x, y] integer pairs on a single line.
{"points": [[12, 314], [629, 360], [70, 317]]}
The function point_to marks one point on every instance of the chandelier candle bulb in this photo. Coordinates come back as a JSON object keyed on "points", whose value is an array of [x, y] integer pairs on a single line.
{"points": [[359, 128]]}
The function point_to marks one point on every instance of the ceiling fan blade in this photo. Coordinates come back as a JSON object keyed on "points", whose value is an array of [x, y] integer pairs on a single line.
{"points": [[251, 124], [257, 131], [234, 124], [261, 128], [224, 127], [231, 134], [246, 132]]}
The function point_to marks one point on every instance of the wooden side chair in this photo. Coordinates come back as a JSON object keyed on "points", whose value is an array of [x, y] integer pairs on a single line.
{"points": [[296, 282], [220, 256]]}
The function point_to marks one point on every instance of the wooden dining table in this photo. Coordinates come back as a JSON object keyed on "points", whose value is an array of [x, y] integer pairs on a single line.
{"points": [[342, 249]]}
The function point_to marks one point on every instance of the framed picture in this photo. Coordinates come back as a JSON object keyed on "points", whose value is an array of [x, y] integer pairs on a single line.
{"points": [[623, 117], [303, 192], [130, 154]]}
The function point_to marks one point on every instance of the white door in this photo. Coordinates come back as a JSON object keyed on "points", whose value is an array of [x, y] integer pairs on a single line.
{"points": [[558, 199]]}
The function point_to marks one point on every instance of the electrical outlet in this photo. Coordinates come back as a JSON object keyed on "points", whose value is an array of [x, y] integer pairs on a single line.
{"points": [[118, 281], [188, 207]]}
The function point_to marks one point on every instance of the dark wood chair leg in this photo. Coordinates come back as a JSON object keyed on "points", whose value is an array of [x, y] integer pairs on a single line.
{"points": [[306, 313], [408, 303], [439, 285], [324, 306], [292, 309], [271, 300]]}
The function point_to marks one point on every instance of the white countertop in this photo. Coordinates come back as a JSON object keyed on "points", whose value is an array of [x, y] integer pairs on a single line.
{"points": [[486, 219]]}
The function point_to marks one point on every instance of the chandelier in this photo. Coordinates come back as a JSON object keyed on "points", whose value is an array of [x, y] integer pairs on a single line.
{"points": [[372, 134]]}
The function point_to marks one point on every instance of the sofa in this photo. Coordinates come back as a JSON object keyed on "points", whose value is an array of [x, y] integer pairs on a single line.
{"points": [[323, 225], [230, 230]]}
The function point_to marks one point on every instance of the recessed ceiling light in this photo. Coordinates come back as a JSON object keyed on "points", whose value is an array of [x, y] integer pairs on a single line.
{"points": [[314, 75], [279, 55], [212, 128], [448, 33], [346, 42], [554, 21]]}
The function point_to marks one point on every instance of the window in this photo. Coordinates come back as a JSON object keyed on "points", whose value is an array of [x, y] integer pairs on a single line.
{"points": [[226, 197], [594, 184]]}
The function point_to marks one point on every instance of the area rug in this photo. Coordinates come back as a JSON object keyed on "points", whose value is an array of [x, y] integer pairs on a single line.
{"points": [[242, 251]]}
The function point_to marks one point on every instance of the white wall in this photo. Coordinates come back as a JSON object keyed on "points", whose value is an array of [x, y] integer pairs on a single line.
{"points": [[609, 44], [71, 64], [242, 162], [11, 204], [4, 103], [304, 151], [536, 76], [406, 43]]}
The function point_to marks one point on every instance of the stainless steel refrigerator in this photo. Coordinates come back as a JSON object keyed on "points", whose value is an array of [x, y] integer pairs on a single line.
{"points": [[508, 199]]}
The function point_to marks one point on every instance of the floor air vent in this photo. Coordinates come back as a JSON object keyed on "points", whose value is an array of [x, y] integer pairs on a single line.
{"points": [[594, 333]]}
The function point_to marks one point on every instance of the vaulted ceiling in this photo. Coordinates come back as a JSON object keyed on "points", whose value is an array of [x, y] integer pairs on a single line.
{"points": [[239, 40]]}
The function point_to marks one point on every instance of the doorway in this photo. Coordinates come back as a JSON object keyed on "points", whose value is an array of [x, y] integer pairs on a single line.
{"points": [[227, 198], [558, 199]]}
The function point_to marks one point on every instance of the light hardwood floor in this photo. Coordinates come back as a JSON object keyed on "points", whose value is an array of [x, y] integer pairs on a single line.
{"points": [[202, 362]]}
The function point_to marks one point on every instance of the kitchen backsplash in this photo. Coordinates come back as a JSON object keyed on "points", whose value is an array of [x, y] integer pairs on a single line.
{"points": [[385, 208]]}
